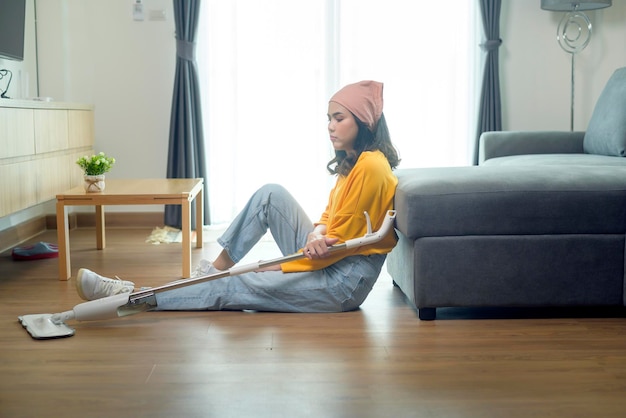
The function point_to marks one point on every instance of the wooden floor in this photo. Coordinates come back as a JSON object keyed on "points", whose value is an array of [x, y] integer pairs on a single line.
{"points": [[379, 361]]}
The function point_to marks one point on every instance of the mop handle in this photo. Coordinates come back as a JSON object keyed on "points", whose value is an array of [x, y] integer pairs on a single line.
{"points": [[369, 238]]}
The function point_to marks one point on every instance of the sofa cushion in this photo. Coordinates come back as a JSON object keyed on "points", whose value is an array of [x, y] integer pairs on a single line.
{"points": [[606, 132], [556, 159], [511, 200]]}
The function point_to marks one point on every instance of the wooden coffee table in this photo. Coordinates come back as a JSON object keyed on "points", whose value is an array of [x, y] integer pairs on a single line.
{"points": [[132, 192]]}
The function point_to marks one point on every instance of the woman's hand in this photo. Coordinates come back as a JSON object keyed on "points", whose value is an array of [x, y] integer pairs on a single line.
{"points": [[317, 245]]}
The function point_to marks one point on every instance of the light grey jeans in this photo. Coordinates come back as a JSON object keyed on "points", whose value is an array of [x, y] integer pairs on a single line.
{"points": [[342, 286]]}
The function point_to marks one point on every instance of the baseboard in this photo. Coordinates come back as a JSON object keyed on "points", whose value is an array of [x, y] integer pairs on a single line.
{"points": [[12, 236], [15, 235]]}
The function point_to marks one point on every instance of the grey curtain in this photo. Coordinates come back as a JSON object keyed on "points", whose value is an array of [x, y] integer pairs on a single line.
{"points": [[489, 114], [186, 157]]}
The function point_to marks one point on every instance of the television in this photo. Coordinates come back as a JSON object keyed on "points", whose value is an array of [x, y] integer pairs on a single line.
{"points": [[12, 22]]}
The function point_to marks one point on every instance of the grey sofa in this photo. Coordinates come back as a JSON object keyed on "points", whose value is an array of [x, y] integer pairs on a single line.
{"points": [[540, 222]]}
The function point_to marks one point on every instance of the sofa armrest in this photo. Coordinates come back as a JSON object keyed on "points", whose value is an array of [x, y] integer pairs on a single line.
{"points": [[505, 143]]}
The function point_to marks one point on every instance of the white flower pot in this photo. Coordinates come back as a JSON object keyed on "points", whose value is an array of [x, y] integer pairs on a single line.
{"points": [[94, 184]]}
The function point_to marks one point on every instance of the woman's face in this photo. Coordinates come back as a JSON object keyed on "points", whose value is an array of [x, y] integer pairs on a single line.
{"points": [[342, 127]]}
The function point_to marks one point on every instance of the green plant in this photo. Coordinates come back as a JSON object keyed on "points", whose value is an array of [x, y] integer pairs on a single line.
{"points": [[96, 164]]}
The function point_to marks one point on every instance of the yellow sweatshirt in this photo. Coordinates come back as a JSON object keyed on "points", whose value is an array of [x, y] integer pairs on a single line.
{"points": [[370, 186]]}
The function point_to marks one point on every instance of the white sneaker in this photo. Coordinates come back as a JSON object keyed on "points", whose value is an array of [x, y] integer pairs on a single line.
{"points": [[204, 268], [90, 285]]}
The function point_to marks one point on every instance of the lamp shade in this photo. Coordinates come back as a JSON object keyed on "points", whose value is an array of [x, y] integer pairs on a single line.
{"points": [[570, 5]]}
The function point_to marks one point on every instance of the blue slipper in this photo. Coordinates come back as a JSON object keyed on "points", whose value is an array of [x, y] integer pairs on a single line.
{"points": [[35, 252]]}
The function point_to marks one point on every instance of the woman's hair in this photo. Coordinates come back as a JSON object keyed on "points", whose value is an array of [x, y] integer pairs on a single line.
{"points": [[365, 140]]}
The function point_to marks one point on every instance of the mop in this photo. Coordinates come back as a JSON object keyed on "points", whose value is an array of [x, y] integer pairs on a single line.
{"points": [[46, 326]]}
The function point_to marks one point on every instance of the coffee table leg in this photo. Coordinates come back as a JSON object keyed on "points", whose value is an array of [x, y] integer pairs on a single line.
{"points": [[100, 237], [199, 219], [186, 229], [63, 238]]}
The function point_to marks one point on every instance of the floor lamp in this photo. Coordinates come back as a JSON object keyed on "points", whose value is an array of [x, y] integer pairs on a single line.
{"points": [[574, 31]]}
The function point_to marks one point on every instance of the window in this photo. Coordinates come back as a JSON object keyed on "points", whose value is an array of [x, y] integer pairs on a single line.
{"points": [[268, 67]]}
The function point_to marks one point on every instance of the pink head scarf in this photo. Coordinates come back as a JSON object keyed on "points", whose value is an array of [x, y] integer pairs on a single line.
{"points": [[364, 99]]}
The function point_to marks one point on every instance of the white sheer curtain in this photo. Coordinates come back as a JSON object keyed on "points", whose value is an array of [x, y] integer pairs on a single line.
{"points": [[268, 68]]}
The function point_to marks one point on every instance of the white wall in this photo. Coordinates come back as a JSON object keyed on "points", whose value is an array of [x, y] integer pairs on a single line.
{"points": [[535, 71], [92, 51]]}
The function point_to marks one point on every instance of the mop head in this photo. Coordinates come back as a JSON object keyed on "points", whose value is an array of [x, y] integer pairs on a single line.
{"points": [[44, 326]]}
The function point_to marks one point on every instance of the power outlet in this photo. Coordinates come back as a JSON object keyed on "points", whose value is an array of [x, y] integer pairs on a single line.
{"points": [[138, 13]]}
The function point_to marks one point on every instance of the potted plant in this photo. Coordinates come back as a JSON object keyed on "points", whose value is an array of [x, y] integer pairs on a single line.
{"points": [[94, 168]]}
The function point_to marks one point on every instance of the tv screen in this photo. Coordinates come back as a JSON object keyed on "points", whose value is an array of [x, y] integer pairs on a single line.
{"points": [[12, 20]]}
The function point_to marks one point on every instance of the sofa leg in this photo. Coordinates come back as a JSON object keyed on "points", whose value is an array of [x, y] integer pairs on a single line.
{"points": [[427, 314]]}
